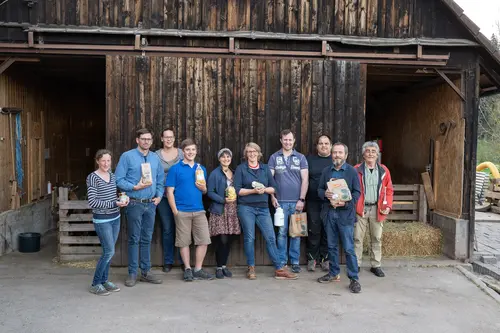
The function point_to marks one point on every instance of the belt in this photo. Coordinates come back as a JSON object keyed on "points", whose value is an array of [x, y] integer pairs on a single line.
{"points": [[370, 204], [142, 200]]}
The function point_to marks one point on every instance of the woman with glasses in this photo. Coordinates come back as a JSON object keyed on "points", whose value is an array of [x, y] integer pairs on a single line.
{"points": [[169, 156], [254, 183]]}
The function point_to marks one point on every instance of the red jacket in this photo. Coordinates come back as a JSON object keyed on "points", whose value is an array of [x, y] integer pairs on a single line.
{"points": [[385, 190]]}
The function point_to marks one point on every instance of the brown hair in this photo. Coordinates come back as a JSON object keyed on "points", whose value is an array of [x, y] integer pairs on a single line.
{"points": [[142, 131], [254, 146], [167, 129], [101, 152], [286, 132], [187, 142]]}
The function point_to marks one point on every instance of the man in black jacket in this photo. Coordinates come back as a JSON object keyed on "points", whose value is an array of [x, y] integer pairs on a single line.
{"points": [[339, 217]]}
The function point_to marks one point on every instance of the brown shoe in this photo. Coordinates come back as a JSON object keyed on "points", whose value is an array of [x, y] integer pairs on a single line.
{"points": [[251, 273], [284, 274]]}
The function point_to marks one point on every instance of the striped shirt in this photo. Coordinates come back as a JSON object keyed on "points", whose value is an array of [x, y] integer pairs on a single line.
{"points": [[102, 197]]}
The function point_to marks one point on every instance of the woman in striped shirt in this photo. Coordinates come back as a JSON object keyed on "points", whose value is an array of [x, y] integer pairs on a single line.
{"points": [[101, 193]]}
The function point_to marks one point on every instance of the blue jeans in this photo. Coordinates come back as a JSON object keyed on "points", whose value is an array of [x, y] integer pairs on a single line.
{"points": [[288, 210], [140, 224], [168, 231], [336, 228], [249, 217], [108, 234]]}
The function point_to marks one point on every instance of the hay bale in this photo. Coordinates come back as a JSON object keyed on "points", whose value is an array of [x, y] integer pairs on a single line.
{"points": [[408, 239]]}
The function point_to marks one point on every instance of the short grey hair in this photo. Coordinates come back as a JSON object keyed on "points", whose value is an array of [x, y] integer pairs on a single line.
{"points": [[346, 150], [370, 144]]}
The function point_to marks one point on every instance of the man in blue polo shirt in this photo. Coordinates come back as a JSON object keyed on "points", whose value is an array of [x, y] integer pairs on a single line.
{"points": [[291, 173], [184, 193], [339, 217], [145, 194]]}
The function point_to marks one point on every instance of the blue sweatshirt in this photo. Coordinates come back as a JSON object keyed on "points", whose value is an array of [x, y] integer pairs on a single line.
{"points": [[243, 178], [128, 173]]}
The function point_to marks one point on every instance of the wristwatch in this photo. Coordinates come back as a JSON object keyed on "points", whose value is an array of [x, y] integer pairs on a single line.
{"points": [[303, 200]]}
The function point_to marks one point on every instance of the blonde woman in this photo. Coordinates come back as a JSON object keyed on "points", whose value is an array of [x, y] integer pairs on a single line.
{"points": [[254, 183]]}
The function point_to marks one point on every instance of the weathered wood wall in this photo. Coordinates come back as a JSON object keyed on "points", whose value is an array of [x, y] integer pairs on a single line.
{"points": [[407, 124], [228, 102], [384, 18]]}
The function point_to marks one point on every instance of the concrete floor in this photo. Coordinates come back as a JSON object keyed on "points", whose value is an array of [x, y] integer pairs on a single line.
{"points": [[37, 295]]}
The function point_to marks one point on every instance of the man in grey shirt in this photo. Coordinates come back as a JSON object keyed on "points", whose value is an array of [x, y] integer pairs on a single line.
{"points": [[291, 173]]}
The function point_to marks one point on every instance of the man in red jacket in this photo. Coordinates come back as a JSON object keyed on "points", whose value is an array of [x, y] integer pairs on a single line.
{"points": [[373, 206]]}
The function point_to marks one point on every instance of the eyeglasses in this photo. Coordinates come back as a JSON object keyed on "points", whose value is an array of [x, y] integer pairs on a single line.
{"points": [[251, 152], [146, 139], [168, 137]]}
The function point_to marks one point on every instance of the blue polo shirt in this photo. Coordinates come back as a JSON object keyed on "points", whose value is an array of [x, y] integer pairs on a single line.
{"points": [[188, 198]]}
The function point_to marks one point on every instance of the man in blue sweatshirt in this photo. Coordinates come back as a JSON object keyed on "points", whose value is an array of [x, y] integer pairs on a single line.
{"points": [[145, 194], [339, 217]]}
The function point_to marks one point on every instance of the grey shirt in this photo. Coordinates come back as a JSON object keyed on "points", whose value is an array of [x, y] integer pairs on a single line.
{"points": [[168, 164]]}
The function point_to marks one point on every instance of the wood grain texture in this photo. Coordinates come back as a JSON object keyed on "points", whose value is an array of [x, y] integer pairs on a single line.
{"points": [[229, 102]]}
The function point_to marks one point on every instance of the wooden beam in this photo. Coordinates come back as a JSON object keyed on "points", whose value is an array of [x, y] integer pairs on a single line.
{"points": [[324, 47], [426, 179], [231, 45], [451, 84], [6, 64]]}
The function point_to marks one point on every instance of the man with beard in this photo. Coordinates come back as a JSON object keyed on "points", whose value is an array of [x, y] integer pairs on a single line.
{"points": [[145, 194], [339, 217]]}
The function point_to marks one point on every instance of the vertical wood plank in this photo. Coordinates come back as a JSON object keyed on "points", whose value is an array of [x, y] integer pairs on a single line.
{"points": [[372, 17], [316, 103], [339, 17], [170, 14], [305, 107], [198, 103], [279, 15], [285, 94], [362, 18], [304, 16], [295, 105], [182, 111], [292, 16], [232, 15], [261, 105]]}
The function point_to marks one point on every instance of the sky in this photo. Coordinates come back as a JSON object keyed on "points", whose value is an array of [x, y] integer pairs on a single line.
{"points": [[484, 13]]}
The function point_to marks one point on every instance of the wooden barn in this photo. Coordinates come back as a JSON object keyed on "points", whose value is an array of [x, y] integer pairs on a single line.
{"points": [[87, 73]]}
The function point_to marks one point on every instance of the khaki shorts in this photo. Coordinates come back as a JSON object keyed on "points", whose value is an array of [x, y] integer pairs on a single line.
{"points": [[195, 222]]}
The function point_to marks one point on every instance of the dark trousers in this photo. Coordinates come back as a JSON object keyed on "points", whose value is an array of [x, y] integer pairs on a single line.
{"points": [[317, 244], [222, 245]]}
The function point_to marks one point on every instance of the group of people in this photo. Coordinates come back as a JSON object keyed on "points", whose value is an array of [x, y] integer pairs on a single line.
{"points": [[175, 187]]}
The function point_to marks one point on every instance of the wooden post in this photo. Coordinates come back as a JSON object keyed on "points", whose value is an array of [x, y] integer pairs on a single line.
{"points": [[29, 158], [422, 204], [437, 146], [41, 157]]}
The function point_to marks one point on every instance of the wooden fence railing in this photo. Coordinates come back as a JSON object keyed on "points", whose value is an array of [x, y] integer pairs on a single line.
{"points": [[78, 241], [409, 204]]}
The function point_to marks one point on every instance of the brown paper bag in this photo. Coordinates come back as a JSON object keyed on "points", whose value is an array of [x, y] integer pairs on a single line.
{"points": [[147, 177], [298, 225]]}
